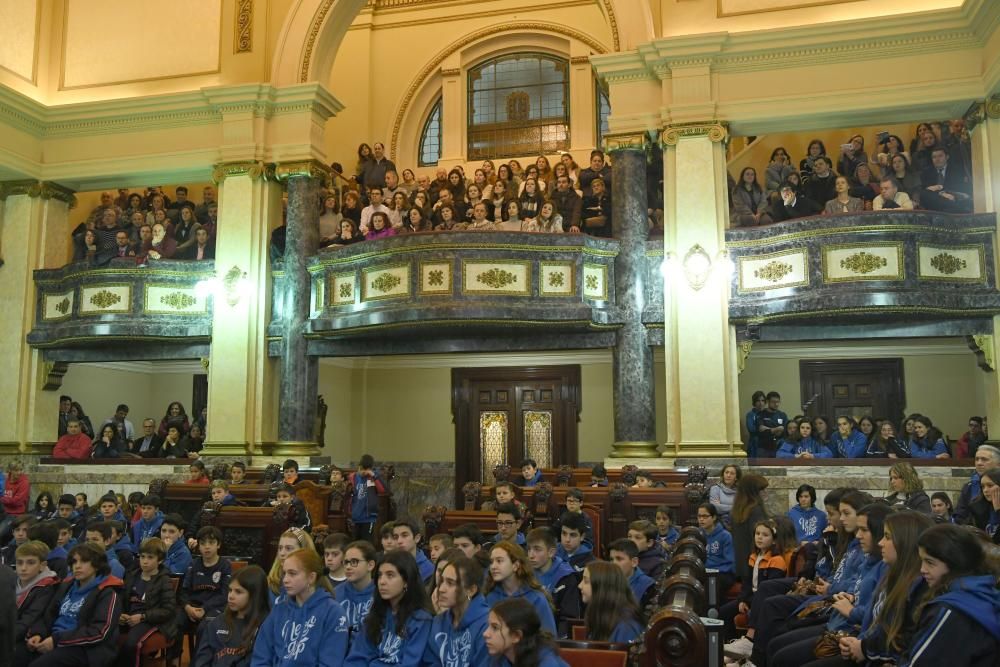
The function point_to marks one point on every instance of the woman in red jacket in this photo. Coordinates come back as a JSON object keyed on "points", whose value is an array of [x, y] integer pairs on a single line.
{"points": [[14, 500]]}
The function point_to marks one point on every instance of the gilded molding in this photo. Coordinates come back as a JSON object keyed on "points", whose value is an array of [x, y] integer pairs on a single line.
{"points": [[744, 354], [975, 115], [249, 168], [435, 63], [626, 141], [833, 231], [982, 347], [861, 310], [308, 168], [310, 44], [451, 71], [43, 189], [580, 60], [993, 107], [716, 131], [243, 39]]}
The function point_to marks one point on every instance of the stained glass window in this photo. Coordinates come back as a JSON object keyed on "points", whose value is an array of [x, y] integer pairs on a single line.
{"points": [[492, 443], [538, 436], [602, 112], [518, 105]]}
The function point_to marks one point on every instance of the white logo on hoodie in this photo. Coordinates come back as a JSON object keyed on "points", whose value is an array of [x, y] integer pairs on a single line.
{"points": [[297, 636]]}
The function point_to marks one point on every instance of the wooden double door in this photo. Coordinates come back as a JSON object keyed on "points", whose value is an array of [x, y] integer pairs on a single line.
{"points": [[505, 415], [852, 388]]}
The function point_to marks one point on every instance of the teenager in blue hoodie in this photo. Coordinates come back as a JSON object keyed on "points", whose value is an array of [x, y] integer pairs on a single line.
{"points": [[456, 638], [809, 520], [959, 622], [228, 639], [719, 553], [848, 442], [530, 472], [796, 648], [307, 626], [557, 577], [515, 636], [406, 533], [666, 532], [511, 576], [508, 523], [805, 446], [178, 555], [81, 630], [612, 612], [99, 533], [572, 547], [357, 594], [625, 555], [365, 486], [150, 520], [398, 627], [927, 442]]}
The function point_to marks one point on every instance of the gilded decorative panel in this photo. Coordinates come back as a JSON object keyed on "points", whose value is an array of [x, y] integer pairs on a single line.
{"points": [[538, 436], [507, 277], [58, 306], [556, 279], [342, 289], [318, 296], [172, 300], [595, 281], [493, 427], [958, 263], [778, 270], [385, 282], [869, 261], [435, 277], [101, 299]]}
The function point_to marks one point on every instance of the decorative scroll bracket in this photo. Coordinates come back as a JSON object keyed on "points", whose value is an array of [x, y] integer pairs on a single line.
{"points": [[982, 347]]}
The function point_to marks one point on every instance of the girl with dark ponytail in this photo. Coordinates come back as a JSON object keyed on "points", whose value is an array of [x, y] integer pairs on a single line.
{"points": [[515, 638]]}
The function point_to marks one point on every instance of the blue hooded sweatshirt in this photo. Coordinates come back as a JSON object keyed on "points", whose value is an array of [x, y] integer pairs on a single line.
{"points": [[872, 570], [424, 565], [719, 550], [356, 605], [142, 529], [966, 616], [545, 659], [789, 449], [178, 558], [639, 582], [626, 632], [69, 608], [921, 449], [851, 447], [557, 571], [537, 599], [668, 540], [521, 542], [579, 558], [393, 649], [313, 634], [534, 480], [845, 576], [463, 646], [117, 569], [809, 523]]}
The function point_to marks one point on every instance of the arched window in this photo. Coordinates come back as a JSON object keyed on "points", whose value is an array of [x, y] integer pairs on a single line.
{"points": [[602, 112], [518, 105], [430, 138]]}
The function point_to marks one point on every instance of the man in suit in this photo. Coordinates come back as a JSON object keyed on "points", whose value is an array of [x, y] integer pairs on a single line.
{"points": [[794, 205], [148, 444], [945, 188]]}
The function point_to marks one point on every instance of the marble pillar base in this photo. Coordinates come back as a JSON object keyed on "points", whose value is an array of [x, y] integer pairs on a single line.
{"points": [[635, 449], [292, 448], [225, 448]]}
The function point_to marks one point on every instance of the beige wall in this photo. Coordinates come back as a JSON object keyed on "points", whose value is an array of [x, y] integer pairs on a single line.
{"points": [[99, 389], [942, 379], [404, 414]]}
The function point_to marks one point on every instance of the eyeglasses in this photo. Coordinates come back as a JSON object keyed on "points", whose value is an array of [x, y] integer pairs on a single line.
{"points": [[505, 524], [353, 562]]}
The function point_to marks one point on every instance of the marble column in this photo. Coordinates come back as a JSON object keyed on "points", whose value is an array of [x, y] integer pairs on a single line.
{"points": [[34, 226], [700, 348], [298, 390], [241, 377], [632, 357]]}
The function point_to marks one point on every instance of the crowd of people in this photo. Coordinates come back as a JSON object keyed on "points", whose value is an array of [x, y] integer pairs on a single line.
{"points": [[136, 226], [772, 434], [174, 436], [933, 172], [891, 580]]}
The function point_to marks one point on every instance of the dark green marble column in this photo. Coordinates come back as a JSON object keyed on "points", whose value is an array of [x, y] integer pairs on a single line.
{"points": [[299, 371], [632, 370]]}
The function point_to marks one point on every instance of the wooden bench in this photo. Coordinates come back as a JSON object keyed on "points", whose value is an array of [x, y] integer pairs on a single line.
{"points": [[569, 476], [248, 533]]}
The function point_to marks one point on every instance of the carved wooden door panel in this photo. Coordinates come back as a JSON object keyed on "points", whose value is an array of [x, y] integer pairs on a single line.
{"points": [[504, 415], [853, 387]]}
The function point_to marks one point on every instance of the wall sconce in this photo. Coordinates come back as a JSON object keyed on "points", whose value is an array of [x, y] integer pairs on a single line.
{"points": [[697, 266], [232, 287]]}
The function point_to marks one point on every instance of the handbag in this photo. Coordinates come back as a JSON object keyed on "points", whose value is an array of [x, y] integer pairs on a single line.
{"points": [[806, 587], [828, 645]]}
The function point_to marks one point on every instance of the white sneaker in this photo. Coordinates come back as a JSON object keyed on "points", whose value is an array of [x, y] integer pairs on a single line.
{"points": [[739, 648]]}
